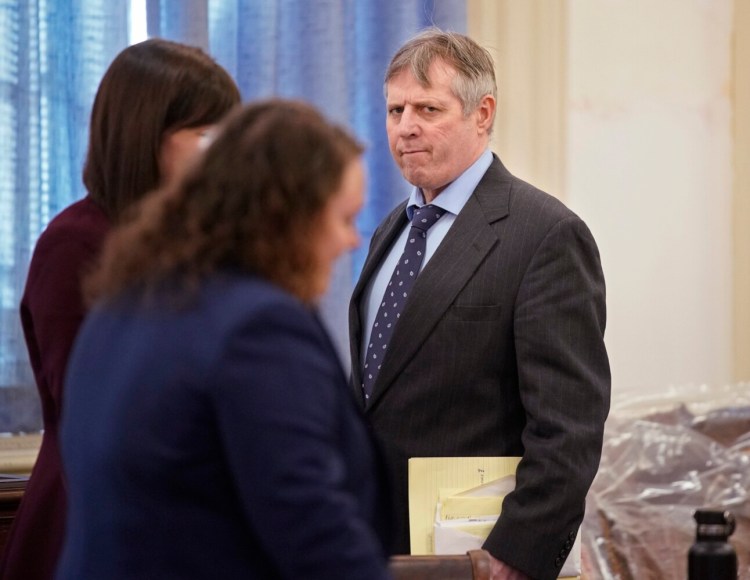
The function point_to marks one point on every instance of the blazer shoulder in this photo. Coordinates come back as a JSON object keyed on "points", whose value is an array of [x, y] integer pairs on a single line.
{"points": [[501, 194], [528, 201], [242, 296]]}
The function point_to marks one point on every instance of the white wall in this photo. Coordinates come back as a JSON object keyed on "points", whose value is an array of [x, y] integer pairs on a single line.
{"points": [[741, 202], [649, 167], [623, 109]]}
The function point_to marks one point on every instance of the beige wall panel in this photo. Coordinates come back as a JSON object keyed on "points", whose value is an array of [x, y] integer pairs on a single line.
{"points": [[741, 199], [527, 40]]}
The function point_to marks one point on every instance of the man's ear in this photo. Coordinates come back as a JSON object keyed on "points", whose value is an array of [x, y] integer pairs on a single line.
{"points": [[485, 114]]}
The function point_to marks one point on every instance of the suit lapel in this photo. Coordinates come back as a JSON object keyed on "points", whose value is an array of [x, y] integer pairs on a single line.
{"points": [[463, 249], [381, 242]]}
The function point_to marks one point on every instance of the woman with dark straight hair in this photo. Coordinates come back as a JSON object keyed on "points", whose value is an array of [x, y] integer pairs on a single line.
{"points": [[157, 100], [208, 428], [153, 111]]}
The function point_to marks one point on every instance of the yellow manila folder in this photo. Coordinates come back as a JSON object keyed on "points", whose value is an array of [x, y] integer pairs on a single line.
{"points": [[453, 475], [455, 501]]}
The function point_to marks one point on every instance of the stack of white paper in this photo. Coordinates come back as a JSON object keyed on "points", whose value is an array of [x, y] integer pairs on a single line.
{"points": [[455, 502]]}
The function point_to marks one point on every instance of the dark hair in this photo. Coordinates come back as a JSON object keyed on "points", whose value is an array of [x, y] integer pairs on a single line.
{"points": [[475, 69], [253, 202], [151, 88]]}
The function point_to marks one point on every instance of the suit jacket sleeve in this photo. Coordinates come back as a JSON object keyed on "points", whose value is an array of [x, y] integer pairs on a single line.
{"points": [[52, 308], [280, 403], [564, 385]]}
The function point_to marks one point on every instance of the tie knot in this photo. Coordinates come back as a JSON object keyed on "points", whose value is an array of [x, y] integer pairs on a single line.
{"points": [[425, 217]]}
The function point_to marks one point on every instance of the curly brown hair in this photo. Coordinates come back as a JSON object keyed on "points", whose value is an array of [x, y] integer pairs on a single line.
{"points": [[252, 202]]}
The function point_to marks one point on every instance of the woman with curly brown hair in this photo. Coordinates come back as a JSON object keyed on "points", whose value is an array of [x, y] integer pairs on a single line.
{"points": [[152, 111], [208, 430]]}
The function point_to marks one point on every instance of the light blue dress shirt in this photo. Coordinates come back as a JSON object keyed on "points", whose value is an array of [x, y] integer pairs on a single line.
{"points": [[452, 199]]}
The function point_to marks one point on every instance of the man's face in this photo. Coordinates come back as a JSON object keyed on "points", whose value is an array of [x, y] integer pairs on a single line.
{"points": [[429, 136]]}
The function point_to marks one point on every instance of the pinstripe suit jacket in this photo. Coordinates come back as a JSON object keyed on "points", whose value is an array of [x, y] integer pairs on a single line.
{"points": [[499, 351]]}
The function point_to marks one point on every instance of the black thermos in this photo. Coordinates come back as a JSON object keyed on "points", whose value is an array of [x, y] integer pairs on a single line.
{"points": [[712, 557]]}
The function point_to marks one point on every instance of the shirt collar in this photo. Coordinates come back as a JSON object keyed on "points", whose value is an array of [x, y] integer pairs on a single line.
{"points": [[453, 198]]}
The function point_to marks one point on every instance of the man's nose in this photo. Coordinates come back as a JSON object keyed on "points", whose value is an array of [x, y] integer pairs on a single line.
{"points": [[409, 124]]}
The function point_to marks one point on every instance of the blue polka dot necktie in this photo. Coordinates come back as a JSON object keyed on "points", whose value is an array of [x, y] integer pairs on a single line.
{"points": [[397, 292]]}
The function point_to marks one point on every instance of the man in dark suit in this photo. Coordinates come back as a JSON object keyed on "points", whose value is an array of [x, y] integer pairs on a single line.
{"points": [[496, 348]]}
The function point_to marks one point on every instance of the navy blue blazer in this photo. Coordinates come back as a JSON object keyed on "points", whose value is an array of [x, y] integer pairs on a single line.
{"points": [[216, 440]]}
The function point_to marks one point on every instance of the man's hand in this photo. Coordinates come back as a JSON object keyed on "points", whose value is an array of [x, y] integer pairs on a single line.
{"points": [[501, 571]]}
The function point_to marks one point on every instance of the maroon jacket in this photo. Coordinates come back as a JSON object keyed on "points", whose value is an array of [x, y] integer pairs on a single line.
{"points": [[52, 310]]}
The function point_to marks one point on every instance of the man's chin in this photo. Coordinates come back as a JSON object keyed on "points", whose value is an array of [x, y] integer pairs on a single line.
{"points": [[415, 176]]}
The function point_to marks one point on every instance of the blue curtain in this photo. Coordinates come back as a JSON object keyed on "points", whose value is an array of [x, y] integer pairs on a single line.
{"points": [[332, 53], [52, 56]]}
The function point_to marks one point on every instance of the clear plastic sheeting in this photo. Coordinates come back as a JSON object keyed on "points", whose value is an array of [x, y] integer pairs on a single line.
{"points": [[666, 455]]}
